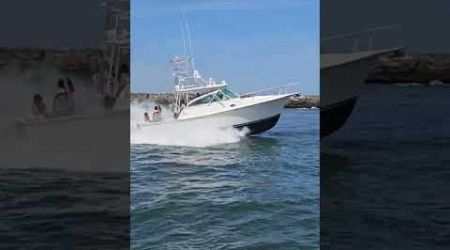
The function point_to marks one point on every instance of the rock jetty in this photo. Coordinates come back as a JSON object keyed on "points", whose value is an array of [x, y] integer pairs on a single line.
{"points": [[301, 101], [296, 101], [412, 68]]}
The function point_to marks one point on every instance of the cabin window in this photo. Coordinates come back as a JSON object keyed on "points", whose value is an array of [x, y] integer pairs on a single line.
{"points": [[229, 93], [215, 96], [203, 100]]}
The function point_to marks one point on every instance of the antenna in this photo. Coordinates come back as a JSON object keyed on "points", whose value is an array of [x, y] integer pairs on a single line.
{"points": [[186, 24], [183, 36]]}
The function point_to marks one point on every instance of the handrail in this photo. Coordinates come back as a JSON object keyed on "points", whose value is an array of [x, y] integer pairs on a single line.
{"points": [[357, 38], [272, 88], [366, 31]]}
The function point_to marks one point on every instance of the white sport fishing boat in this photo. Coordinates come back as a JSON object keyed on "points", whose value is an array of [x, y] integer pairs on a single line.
{"points": [[212, 103]]}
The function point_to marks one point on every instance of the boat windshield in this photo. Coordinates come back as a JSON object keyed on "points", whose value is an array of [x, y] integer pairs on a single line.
{"points": [[228, 93], [203, 100], [218, 95]]}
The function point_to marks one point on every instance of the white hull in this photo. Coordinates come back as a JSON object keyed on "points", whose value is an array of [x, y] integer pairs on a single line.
{"points": [[239, 112], [341, 76]]}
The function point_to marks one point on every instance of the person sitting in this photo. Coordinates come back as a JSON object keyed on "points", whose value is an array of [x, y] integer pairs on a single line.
{"points": [[61, 104], [38, 109], [157, 114], [146, 117]]}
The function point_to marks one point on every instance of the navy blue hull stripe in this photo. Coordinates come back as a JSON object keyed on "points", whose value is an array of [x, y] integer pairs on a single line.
{"points": [[260, 126]]}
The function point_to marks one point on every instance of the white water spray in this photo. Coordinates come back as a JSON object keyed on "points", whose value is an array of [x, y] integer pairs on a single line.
{"points": [[75, 145], [192, 134]]}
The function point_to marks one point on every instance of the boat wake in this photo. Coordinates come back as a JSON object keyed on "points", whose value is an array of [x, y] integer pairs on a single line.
{"points": [[196, 134], [65, 143]]}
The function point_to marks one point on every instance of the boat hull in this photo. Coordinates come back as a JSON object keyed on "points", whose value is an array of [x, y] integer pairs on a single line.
{"points": [[253, 118], [341, 77], [260, 126], [334, 116]]}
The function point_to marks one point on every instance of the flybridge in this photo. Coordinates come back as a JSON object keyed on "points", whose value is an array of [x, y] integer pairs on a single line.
{"points": [[188, 79], [188, 82]]}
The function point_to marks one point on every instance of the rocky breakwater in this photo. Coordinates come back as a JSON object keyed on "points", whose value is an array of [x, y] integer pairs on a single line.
{"points": [[412, 68], [301, 101], [163, 98], [296, 101]]}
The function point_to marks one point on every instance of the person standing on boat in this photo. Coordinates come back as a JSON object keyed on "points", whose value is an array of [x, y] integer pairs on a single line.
{"points": [[38, 109], [70, 94], [182, 105], [157, 115], [60, 101]]}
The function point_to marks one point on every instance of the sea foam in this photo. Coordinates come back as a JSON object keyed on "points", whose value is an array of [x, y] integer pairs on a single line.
{"points": [[188, 134]]}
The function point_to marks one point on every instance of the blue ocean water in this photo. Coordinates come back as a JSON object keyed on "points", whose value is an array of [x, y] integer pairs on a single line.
{"points": [[52, 209], [385, 174], [259, 193], [57, 195]]}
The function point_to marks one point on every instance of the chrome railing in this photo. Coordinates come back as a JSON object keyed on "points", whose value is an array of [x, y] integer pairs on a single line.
{"points": [[287, 89], [368, 39]]}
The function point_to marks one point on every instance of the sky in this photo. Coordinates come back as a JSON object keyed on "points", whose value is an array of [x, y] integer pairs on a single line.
{"points": [[52, 23], [68, 23], [424, 24], [250, 44]]}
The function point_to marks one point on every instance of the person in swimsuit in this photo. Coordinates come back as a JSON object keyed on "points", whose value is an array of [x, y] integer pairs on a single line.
{"points": [[61, 104], [38, 109], [146, 117], [157, 114], [70, 93]]}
